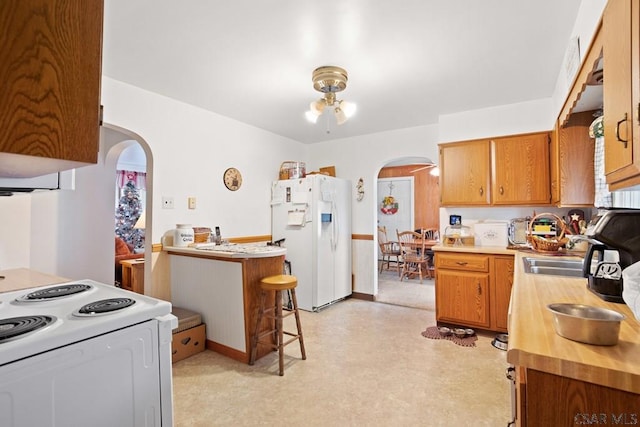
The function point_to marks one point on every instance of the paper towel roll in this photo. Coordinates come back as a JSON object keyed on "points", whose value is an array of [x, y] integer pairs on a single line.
{"points": [[631, 288]]}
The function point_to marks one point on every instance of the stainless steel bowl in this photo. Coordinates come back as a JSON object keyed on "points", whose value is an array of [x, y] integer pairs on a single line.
{"points": [[500, 345], [444, 331], [587, 324], [460, 333]]}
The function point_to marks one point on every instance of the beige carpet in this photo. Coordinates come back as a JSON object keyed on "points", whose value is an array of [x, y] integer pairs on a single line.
{"points": [[408, 293]]}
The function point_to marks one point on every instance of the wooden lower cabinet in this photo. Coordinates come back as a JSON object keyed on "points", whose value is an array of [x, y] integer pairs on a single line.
{"points": [[551, 400], [503, 278], [473, 289], [464, 298]]}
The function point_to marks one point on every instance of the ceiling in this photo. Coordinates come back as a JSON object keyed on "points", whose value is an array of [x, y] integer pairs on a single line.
{"points": [[409, 61]]}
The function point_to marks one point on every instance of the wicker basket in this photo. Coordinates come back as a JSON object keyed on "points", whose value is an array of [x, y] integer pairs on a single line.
{"points": [[292, 170], [201, 234], [542, 244]]}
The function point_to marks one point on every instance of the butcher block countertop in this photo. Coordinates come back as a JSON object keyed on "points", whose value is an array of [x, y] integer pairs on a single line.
{"points": [[495, 250], [534, 344], [24, 278]]}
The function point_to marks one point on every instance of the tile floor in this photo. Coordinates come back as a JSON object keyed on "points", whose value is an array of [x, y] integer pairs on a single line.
{"points": [[367, 364]]}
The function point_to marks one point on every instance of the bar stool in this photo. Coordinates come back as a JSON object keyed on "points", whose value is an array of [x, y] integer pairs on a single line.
{"points": [[278, 283]]}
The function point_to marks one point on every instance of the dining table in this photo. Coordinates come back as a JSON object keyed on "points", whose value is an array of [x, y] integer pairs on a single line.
{"points": [[428, 244]]}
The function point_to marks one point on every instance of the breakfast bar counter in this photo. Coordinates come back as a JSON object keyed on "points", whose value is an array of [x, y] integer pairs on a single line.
{"points": [[222, 284]]}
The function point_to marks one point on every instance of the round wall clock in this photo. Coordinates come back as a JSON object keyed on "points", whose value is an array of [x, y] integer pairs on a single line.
{"points": [[232, 179]]}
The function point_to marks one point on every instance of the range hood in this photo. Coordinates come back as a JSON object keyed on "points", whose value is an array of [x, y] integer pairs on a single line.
{"points": [[8, 186], [23, 174]]}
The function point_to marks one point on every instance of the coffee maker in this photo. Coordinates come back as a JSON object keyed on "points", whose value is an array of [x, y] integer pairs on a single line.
{"points": [[614, 236]]}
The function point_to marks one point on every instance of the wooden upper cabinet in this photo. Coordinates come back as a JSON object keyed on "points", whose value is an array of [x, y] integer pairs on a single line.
{"points": [[520, 169], [554, 166], [572, 169], [511, 170], [621, 34], [50, 68], [617, 96], [465, 173]]}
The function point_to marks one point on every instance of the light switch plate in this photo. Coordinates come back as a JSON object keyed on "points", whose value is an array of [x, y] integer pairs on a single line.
{"points": [[192, 202]]}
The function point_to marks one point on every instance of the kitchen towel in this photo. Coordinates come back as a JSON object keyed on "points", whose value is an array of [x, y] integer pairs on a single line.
{"points": [[631, 288]]}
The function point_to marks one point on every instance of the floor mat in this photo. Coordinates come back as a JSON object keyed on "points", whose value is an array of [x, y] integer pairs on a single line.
{"points": [[433, 333]]}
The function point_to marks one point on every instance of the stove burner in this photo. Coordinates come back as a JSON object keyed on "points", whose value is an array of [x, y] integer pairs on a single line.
{"points": [[15, 327], [104, 306], [55, 292]]}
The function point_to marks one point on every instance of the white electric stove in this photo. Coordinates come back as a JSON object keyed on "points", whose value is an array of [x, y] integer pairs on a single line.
{"points": [[85, 353]]}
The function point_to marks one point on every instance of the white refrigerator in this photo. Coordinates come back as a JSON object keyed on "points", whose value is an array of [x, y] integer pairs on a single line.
{"points": [[313, 215]]}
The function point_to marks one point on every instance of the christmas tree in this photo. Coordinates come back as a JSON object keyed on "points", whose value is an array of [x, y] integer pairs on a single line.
{"points": [[127, 213]]}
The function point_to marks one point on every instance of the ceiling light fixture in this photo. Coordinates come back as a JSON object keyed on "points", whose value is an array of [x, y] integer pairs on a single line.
{"points": [[330, 80]]}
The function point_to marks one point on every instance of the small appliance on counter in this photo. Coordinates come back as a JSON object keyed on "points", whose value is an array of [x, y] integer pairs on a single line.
{"points": [[518, 231], [457, 234], [614, 245]]}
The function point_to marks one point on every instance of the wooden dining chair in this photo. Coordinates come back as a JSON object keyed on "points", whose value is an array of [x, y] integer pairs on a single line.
{"points": [[431, 234], [389, 250], [414, 257]]}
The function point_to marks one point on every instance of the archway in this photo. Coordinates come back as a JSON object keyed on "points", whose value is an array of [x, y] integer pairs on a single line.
{"points": [[116, 140], [425, 203]]}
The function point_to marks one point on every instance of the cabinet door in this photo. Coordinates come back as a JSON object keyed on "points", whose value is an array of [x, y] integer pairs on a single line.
{"points": [[575, 152], [617, 87], [464, 173], [520, 170], [554, 165], [503, 282], [50, 68], [462, 298]]}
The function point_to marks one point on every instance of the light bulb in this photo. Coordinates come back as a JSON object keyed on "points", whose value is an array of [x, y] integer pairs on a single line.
{"points": [[311, 116], [317, 107], [349, 108]]}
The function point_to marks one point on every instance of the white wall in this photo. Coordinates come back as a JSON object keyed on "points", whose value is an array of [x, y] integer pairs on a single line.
{"points": [[524, 117], [584, 29], [15, 229], [192, 148]]}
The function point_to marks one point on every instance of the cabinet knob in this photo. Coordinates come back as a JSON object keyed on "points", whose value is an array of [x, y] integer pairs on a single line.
{"points": [[624, 141], [479, 288], [481, 191], [461, 262], [501, 190]]}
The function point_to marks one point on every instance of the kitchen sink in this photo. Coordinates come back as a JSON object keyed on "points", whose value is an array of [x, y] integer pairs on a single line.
{"points": [[553, 267]]}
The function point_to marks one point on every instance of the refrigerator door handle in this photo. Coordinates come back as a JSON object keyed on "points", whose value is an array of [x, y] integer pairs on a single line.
{"points": [[334, 226]]}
